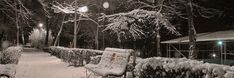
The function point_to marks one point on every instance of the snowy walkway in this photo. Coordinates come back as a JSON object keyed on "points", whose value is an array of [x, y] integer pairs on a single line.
{"points": [[37, 64]]}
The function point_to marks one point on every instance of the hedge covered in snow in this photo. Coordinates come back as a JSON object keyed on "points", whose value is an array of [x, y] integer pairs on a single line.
{"points": [[74, 56], [158, 67], [10, 55]]}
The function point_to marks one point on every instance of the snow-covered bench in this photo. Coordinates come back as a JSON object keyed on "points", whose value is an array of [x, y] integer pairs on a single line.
{"points": [[113, 62], [7, 70]]}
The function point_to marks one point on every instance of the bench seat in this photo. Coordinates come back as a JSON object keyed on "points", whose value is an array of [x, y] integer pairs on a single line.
{"points": [[111, 63]]}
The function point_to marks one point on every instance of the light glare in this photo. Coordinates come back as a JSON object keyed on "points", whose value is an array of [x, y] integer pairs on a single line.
{"points": [[214, 55], [220, 42], [83, 9], [40, 25]]}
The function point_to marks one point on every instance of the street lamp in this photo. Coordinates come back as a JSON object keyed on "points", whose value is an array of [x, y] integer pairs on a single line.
{"points": [[213, 55], [106, 5], [220, 43], [40, 25]]}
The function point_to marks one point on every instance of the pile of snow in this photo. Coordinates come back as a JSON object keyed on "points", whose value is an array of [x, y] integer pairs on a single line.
{"points": [[74, 56], [8, 69], [181, 67], [10, 55]]}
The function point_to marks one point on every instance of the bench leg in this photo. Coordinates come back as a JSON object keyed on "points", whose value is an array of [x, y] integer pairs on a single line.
{"points": [[86, 74], [4, 76], [125, 74]]}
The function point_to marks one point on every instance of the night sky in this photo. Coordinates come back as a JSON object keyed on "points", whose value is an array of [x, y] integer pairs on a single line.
{"points": [[224, 21]]}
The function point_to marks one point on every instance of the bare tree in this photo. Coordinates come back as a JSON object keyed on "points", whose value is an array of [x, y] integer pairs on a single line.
{"points": [[192, 31], [60, 31], [16, 12], [175, 8]]}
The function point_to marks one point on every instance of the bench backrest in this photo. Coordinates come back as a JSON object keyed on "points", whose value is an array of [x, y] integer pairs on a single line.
{"points": [[115, 59]]}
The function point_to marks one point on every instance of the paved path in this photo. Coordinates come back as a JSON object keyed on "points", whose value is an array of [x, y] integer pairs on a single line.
{"points": [[37, 64]]}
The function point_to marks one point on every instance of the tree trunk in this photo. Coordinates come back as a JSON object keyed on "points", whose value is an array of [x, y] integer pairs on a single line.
{"points": [[17, 25], [96, 38], [192, 31], [75, 25], [60, 31], [47, 32], [159, 54], [22, 34], [158, 36]]}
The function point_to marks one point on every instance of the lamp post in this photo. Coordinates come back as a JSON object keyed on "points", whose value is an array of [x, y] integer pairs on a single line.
{"points": [[105, 5], [220, 43], [75, 25]]}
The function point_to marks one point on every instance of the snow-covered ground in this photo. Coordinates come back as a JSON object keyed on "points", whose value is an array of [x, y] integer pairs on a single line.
{"points": [[38, 64]]}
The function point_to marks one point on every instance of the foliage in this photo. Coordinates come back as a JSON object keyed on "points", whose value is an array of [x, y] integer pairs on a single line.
{"points": [[11, 55], [137, 24], [157, 67], [37, 38]]}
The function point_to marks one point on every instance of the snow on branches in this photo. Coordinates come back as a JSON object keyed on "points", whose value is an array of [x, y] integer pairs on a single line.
{"points": [[64, 9], [137, 24], [12, 7]]}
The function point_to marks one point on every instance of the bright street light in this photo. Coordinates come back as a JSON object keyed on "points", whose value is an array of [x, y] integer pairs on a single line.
{"points": [[214, 55], [220, 42], [106, 5], [40, 25], [83, 9]]}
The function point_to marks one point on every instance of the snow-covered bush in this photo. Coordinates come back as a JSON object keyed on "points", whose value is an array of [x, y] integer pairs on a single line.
{"points": [[10, 55], [159, 67], [95, 59], [74, 56], [37, 38]]}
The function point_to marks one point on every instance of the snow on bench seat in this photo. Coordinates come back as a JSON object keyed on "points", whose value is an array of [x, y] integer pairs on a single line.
{"points": [[8, 69], [113, 62]]}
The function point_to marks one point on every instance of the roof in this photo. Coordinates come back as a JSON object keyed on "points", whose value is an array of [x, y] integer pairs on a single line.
{"points": [[227, 35]]}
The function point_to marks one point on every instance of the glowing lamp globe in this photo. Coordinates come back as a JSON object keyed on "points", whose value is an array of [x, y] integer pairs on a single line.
{"points": [[40, 25], [220, 42], [106, 5], [214, 55]]}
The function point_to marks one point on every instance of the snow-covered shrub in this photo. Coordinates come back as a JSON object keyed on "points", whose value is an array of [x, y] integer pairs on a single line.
{"points": [[37, 38], [95, 59], [10, 55], [158, 67], [74, 56], [8, 70]]}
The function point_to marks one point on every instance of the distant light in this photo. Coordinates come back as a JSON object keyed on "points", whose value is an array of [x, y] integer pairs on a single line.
{"points": [[83, 9], [40, 25], [214, 55], [106, 5], [220, 42]]}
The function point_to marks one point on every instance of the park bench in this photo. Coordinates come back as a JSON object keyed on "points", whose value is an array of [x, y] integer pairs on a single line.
{"points": [[113, 62], [7, 71]]}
